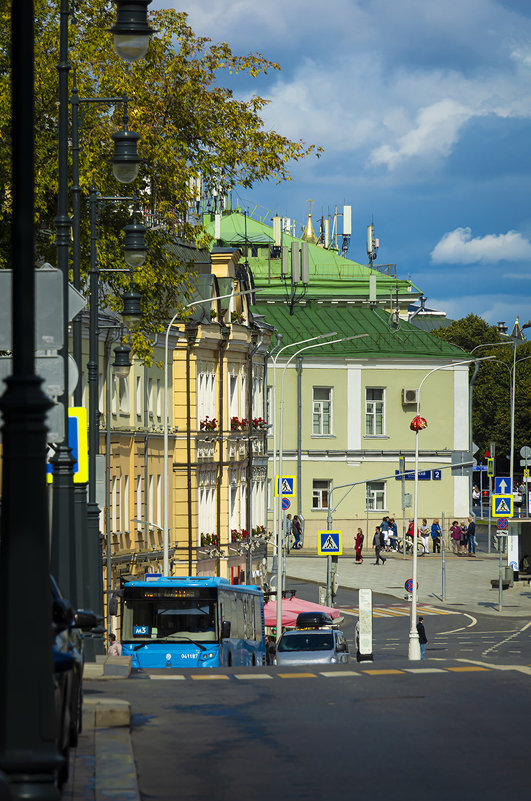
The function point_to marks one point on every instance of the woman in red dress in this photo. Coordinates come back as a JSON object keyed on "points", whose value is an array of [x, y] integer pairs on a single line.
{"points": [[358, 545]]}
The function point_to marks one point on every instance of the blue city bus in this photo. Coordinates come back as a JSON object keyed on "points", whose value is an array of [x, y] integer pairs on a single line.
{"points": [[192, 622]]}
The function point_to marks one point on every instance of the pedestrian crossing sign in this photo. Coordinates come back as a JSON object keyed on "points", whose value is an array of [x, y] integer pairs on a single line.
{"points": [[288, 486], [502, 505], [329, 542]]}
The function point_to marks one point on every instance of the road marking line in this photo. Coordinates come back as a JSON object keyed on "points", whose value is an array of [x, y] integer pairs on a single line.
{"points": [[466, 669], [336, 673], [383, 672], [252, 676], [425, 670], [512, 636], [167, 678], [472, 618], [215, 677], [297, 675]]}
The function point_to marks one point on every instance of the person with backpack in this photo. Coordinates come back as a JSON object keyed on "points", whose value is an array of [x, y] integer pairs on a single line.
{"points": [[297, 533], [436, 536], [378, 545]]}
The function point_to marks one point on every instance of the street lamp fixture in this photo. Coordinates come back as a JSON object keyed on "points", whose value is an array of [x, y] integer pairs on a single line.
{"points": [[135, 243], [131, 30], [132, 311], [125, 159], [122, 361]]}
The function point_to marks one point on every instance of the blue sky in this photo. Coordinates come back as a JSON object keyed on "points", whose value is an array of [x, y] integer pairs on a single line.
{"points": [[423, 109]]}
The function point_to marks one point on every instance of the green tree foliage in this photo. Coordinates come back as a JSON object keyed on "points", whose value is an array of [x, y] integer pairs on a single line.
{"points": [[188, 122], [491, 406]]}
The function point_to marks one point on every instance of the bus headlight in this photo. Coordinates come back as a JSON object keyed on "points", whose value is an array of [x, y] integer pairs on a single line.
{"points": [[207, 655]]}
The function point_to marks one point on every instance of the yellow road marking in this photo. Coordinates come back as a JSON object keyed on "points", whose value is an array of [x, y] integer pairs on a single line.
{"points": [[465, 669], [297, 675], [383, 672]]}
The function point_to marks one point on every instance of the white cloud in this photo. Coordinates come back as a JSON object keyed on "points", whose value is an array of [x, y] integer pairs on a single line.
{"points": [[436, 130], [459, 247], [391, 84]]}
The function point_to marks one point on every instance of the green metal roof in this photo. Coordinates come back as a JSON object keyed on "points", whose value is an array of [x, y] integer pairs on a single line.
{"points": [[331, 275], [383, 340]]}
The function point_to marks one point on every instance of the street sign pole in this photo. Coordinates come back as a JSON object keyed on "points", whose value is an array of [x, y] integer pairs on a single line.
{"points": [[443, 560]]}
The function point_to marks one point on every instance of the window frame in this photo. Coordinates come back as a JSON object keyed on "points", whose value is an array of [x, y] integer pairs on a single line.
{"points": [[320, 412], [373, 413], [319, 492]]}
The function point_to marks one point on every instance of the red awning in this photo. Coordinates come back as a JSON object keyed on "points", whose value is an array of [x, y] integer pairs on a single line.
{"points": [[291, 608]]}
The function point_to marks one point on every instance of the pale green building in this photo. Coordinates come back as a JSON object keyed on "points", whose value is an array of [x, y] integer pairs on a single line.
{"points": [[347, 407]]}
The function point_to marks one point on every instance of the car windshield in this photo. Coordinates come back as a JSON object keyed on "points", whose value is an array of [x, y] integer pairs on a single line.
{"points": [[322, 641]]}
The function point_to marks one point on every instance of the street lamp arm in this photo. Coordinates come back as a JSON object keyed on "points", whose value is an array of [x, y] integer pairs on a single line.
{"points": [[301, 342], [448, 367]]}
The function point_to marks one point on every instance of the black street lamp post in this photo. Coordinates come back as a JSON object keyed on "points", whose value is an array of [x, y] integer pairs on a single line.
{"points": [[125, 164], [28, 753], [63, 540], [94, 544]]}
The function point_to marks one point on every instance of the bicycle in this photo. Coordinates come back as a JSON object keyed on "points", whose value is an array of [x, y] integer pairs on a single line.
{"points": [[409, 546]]}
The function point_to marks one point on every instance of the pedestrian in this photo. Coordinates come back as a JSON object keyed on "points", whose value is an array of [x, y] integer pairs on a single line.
{"points": [[271, 649], [410, 534], [422, 636], [471, 536], [436, 536], [476, 495], [115, 647], [393, 534], [297, 533], [463, 539], [378, 544], [359, 545], [384, 528], [455, 534], [424, 536]]}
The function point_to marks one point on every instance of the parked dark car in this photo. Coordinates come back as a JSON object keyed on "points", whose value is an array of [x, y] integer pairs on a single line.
{"points": [[68, 672]]}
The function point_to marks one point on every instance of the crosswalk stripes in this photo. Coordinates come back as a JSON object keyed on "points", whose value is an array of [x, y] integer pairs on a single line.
{"points": [[326, 674], [397, 610]]}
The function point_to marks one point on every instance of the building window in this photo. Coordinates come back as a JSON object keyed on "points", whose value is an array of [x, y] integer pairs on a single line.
{"points": [[322, 411], [320, 494], [126, 503], [123, 396], [376, 495], [139, 398], [139, 515], [233, 395], [374, 411]]}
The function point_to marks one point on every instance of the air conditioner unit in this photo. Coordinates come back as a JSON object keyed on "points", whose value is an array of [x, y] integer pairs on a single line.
{"points": [[410, 395]]}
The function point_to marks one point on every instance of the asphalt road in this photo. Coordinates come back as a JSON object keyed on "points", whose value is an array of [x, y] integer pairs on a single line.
{"points": [[453, 726], [451, 635]]}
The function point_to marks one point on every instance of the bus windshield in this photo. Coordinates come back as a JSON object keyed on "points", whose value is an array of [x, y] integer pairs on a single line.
{"points": [[170, 619]]}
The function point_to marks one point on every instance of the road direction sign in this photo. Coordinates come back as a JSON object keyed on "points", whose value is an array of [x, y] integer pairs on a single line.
{"points": [[286, 503], [329, 542], [288, 486], [502, 524], [502, 506], [502, 485], [78, 442]]}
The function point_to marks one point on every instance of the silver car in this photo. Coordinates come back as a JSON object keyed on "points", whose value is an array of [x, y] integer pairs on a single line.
{"points": [[323, 646]]}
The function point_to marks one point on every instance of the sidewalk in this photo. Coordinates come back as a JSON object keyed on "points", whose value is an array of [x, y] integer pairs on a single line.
{"points": [[468, 580], [102, 767]]}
